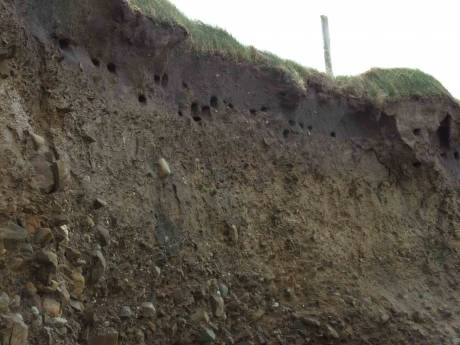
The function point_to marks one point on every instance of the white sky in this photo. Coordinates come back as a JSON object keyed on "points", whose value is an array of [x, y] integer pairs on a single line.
{"points": [[423, 34]]}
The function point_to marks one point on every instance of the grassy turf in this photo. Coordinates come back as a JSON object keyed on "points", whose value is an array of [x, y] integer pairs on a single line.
{"points": [[376, 84], [393, 84]]}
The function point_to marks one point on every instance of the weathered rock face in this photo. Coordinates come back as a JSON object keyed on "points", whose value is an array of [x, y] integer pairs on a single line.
{"points": [[217, 202]]}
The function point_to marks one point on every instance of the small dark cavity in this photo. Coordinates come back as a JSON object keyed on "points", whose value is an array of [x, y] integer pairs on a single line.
{"points": [[417, 164], [206, 109], [286, 133], [333, 134], [157, 79], [96, 62], [184, 85], [64, 43], [253, 112], [180, 113], [292, 123], [142, 99], [456, 155], [264, 109], [310, 128], [214, 102], [301, 125], [443, 154], [164, 80], [230, 105], [196, 118], [194, 108], [111, 67], [444, 132], [417, 131]]}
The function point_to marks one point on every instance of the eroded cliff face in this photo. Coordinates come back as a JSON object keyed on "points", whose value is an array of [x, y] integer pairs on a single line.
{"points": [[291, 216]]}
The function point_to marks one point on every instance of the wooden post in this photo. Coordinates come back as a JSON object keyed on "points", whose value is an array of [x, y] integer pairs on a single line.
{"points": [[327, 45]]}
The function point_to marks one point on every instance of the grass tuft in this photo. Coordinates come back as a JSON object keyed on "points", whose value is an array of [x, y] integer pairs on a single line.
{"points": [[392, 84], [377, 84]]}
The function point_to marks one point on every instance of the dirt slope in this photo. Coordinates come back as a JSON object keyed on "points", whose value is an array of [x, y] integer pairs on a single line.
{"points": [[287, 215]]}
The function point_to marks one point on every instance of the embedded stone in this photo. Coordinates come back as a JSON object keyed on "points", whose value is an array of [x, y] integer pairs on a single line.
{"points": [[165, 170], [147, 310], [103, 235], [207, 336], [39, 141], [99, 266], [13, 232], [7, 53], [48, 258], [43, 173], [100, 203], [44, 236], [218, 306], [16, 332], [79, 284], [61, 175], [126, 312], [51, 307], [4, 302]]}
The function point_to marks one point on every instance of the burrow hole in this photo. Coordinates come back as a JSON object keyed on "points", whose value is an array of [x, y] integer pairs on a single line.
{"points": [[64, 43], [157, 79], [184, 85], [142, 99], [292, 123], [194, 108], [456, 155], [180, 113], [111, 67], [310, 128], [301, 125], [417, 131], [264, 109], [417, 164], [196, 118], [333, 134], [230, 105], [95, 62], [286, 133], [214, 102], [253, 111], [444, 132]]}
